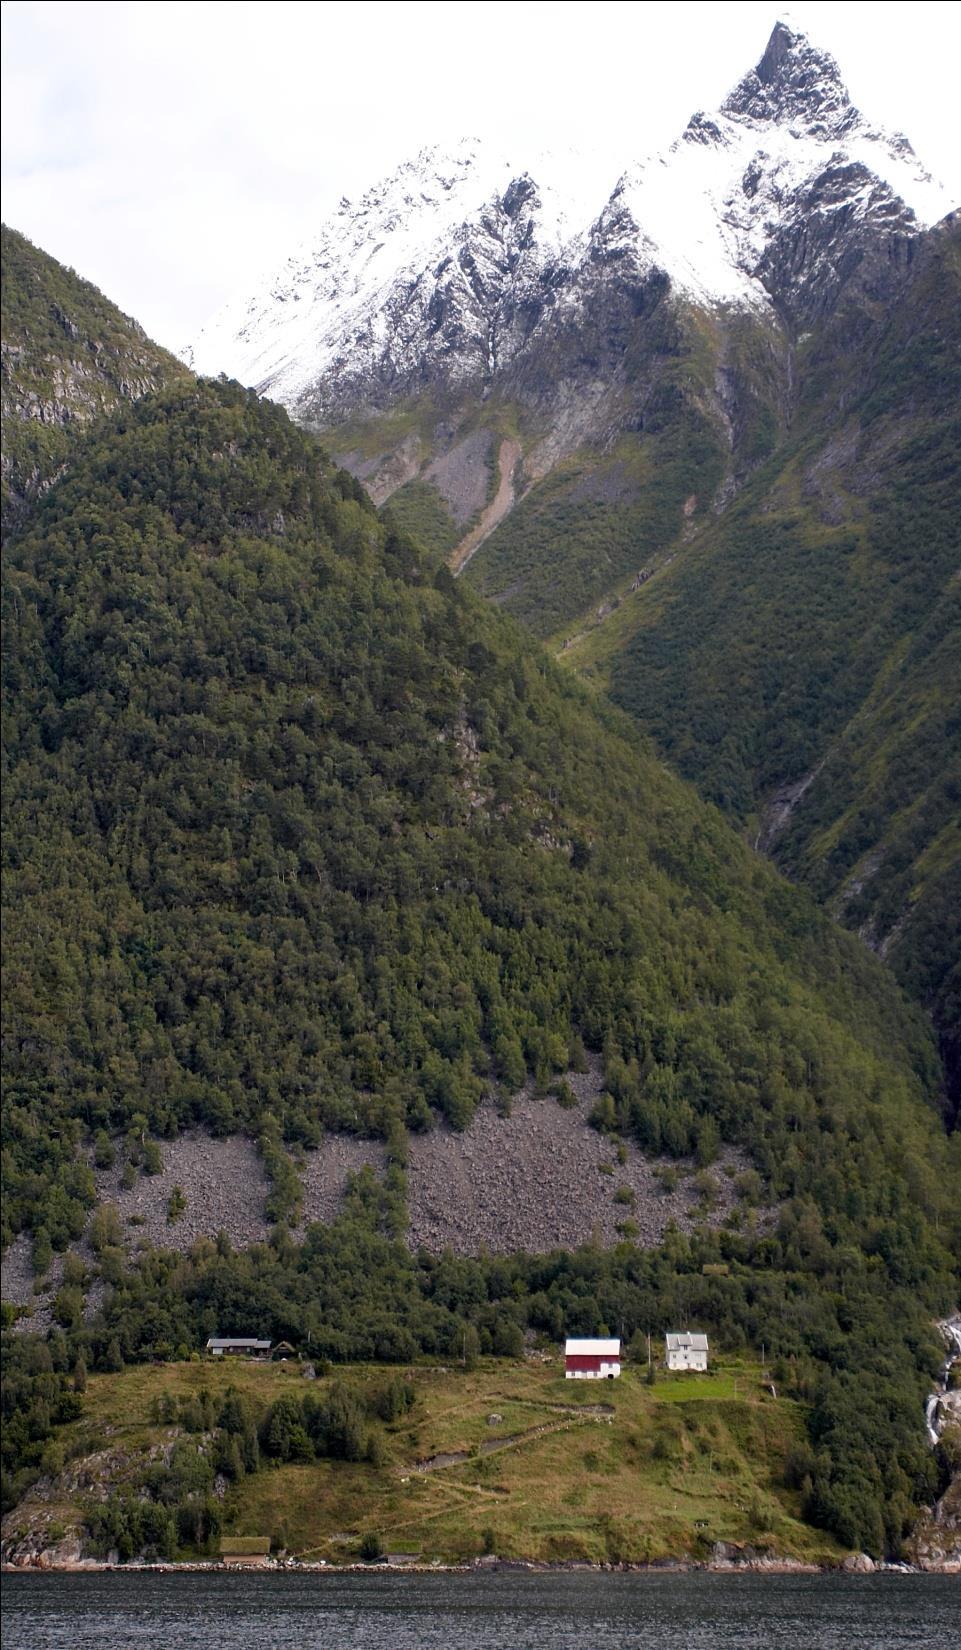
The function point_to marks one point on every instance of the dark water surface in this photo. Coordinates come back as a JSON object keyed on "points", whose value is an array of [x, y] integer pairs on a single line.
{"points": [[495, 1611]]}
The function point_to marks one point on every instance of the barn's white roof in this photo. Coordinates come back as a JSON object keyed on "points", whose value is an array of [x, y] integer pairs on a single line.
{"points": [[684, 1342], [592, 1349]]}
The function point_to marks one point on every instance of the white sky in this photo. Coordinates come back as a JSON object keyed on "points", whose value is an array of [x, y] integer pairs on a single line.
{"points": [[169, 151]]}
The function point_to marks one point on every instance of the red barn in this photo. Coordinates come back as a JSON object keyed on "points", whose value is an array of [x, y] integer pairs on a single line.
{"points": [[592, 1360]]}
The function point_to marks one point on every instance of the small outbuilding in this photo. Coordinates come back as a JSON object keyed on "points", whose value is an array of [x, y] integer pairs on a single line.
{"points": [[592, 1360], [237, 1346], [245, 1551], [686, 1351]]}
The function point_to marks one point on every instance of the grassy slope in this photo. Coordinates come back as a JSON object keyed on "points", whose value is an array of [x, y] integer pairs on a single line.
{"points": [[676, 1467], [653, 444], [622, 499], [595, 519]]}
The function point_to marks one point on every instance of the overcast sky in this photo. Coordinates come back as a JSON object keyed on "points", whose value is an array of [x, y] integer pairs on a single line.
{"points": [[170, 151]]}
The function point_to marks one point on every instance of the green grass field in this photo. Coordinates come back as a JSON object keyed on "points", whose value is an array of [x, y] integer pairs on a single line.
{"points": [[545, 1468]]}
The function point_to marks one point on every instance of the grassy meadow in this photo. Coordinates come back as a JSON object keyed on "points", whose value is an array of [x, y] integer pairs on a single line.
{"points": [[507, 1457]]}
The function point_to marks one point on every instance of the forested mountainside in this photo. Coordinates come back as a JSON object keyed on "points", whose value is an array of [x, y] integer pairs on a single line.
{"points": [[704, 442], [299, 829], [301, 835], [68, 356], [801, 661]]}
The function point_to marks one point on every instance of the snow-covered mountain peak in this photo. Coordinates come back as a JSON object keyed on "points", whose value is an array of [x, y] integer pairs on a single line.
{"points": [[795, 110], [794, 82], [786, 153], [446, 270]]}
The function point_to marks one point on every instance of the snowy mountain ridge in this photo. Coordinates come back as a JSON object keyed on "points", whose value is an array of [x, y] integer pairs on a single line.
{"points": [[393, 261], [446, 269]]}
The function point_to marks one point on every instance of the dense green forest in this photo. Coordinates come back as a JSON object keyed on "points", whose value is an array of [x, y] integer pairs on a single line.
{"points": [[301, 835], [418, 510]]}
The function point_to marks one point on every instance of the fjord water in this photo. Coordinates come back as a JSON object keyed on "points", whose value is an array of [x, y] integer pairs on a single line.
{"points": [[498, 1611]]}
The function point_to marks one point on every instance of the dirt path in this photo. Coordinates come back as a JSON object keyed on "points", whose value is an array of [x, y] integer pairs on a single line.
{"points": [[507, 458], [494, 1446], [595, 1411]]}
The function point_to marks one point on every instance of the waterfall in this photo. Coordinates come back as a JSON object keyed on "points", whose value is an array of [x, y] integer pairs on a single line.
{"points": [[950, 1329]]}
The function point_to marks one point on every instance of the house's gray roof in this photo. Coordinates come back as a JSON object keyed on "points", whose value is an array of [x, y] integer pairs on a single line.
{"points": [[219, 1343], [684, 1342]]}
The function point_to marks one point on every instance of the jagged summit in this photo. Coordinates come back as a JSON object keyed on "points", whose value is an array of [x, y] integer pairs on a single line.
{"points": [[445, 272], [794, 81], [787, 163]]}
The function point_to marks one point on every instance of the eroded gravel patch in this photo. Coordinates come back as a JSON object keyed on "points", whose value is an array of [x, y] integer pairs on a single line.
{"points": [[222, 1180], [324, 1173], [536, 1181], [16, 1274], [508, 457], [462, 476], [17, 1280]]}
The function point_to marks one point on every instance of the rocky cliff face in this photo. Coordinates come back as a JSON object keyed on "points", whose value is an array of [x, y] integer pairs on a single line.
{"points": [[68, 356], [935, 1543]]}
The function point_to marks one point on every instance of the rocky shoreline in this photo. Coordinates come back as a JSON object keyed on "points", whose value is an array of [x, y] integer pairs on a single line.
{"points": [[727, 1560]]}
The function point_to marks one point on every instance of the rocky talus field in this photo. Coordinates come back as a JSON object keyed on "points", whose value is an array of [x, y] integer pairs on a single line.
{"points": [[538, 1178]]}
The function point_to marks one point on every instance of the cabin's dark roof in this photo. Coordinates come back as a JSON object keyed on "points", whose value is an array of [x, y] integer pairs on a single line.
{"points": [[220, 1343]]}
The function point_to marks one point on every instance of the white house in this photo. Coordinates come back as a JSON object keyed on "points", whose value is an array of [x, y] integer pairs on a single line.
{"points": [[686, 1351], [592, 1360]]}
